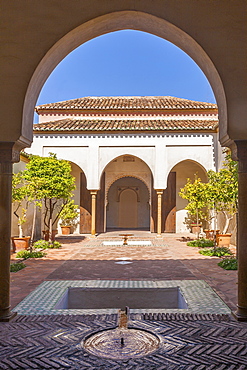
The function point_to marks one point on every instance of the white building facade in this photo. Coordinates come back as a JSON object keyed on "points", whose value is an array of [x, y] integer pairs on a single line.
{"points": [[130, 156]]}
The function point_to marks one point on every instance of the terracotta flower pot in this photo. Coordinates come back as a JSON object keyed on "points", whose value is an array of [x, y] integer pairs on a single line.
{"points": [[65, 230], [223, 239], [46, 234], [195, 228], [20, 243]]}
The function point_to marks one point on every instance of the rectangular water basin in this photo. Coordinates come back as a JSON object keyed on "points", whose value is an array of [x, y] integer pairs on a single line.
{"points": [[134, 298]]}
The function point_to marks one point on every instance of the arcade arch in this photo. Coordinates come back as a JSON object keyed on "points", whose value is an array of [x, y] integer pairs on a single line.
{"points": [[184, 170], [204, 38], [128, 204], [111, 22]]}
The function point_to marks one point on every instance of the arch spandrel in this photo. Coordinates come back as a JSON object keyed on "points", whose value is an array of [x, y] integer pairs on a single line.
{"points": [[143, 175]]}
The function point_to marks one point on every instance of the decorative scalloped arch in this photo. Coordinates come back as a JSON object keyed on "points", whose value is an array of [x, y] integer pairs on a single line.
{"points": [[122, 176]]}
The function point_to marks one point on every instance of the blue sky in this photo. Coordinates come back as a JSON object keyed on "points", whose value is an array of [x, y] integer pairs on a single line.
{"points": [[126, 63]]}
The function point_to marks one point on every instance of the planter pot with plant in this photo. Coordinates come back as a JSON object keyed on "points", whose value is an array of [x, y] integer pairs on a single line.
{"points": [[194, 192], [68, 217], [46, 234], [53, 186], [218, 195], [20, 194], [223, 188], [196, 228]]}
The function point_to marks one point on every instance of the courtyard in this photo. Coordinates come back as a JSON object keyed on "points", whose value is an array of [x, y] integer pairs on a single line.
{"points": [[204, 337]]}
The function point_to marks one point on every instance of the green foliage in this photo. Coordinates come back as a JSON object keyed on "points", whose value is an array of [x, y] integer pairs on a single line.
{"points": [[43, 244], [27, 254], [55, 245], [50, 177], [194, 192], [229, 263], [217, 252], [69, 214], [51, 185], [219, 194], [14, 267], [201, 243], [20, 193]]}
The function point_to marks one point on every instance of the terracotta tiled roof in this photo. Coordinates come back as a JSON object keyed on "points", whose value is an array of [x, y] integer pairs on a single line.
{"points": [[129, 102], [74, 125]]}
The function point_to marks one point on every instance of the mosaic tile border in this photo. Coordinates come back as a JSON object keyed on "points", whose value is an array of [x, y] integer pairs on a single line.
{"points": [[200, 297]]}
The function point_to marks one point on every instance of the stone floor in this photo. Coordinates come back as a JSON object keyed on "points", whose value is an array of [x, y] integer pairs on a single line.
{"points": [[188, 342], [169, 258]]}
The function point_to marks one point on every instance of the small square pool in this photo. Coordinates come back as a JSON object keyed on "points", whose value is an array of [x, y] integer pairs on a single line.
{"points": [[134, 298]]}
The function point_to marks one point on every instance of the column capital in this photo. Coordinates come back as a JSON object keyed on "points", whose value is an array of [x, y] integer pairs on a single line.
{"points": [[10, 152], [94, 192], [159, 191], [241, 155]]}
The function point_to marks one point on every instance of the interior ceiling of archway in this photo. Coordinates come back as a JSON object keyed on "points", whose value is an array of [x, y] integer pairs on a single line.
{"points": [[113, 22], [194, 166]]}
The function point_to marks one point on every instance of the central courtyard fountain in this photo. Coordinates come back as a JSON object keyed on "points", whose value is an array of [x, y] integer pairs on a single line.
{"points": [[121, 342]]}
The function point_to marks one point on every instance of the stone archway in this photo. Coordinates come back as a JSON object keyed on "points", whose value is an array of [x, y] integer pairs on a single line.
{"points": [[184, 170], [201, 32], [136, 20], [128, 204]]}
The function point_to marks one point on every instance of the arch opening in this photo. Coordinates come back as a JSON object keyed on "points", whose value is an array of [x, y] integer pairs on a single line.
{"points": [[119, 21], [128, 204], [184, 170]]}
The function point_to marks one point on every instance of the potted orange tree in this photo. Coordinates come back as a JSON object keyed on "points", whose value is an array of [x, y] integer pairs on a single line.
{"points": [[52, 186], [20, 194], [218, 196], [194, 192], [68, 217], [222, 196]]}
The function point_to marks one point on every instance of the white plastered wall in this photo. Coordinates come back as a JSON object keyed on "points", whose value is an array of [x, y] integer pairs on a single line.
{"points": [[160, 152]]}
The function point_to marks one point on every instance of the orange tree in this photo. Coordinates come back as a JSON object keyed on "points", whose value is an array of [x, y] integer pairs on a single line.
{"points": [[51, 185]]}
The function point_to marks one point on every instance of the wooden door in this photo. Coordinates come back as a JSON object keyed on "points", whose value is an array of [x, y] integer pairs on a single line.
{"points": [[169, 205], [100, 206], [128, 209], [85, 207]]}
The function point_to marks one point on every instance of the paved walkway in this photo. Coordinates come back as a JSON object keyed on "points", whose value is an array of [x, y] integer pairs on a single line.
{"points": [[187, 341], [83, 258]]}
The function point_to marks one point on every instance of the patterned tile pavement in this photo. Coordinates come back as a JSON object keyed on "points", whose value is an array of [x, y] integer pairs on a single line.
{"points": [[192, 342], [199, 296], [189, 341]]}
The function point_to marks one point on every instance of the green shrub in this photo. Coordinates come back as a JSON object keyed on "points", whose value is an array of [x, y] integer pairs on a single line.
{"points": [[27, 254], [229, 263], [43, 244], [201, 243], [14, 267], [55, 245], [217, 252]]}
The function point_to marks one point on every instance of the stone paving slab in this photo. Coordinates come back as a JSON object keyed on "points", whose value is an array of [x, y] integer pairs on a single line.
{"points": [[186, 343]]}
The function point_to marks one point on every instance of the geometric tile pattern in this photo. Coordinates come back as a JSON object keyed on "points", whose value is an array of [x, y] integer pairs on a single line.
{"points": [[203, 342], [198, 295]]}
